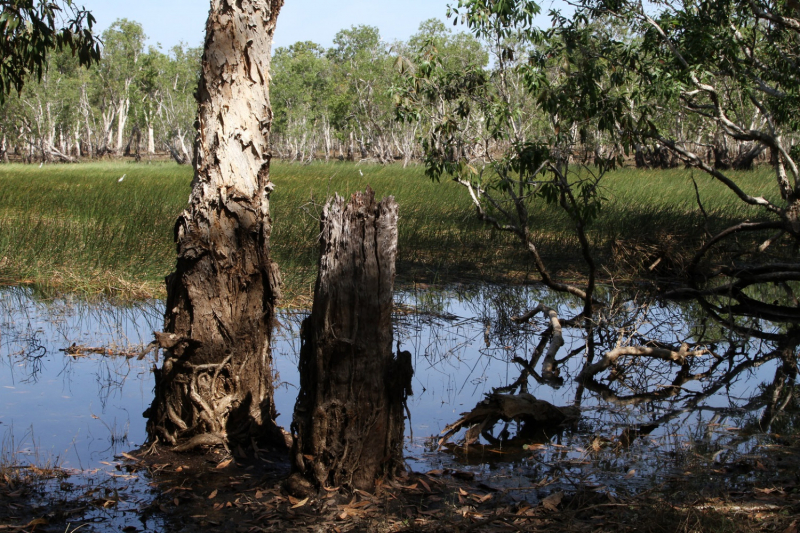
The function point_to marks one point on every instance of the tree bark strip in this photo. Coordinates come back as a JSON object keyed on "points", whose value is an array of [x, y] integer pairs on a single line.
{"points": [[216, 380], [349, 418]]}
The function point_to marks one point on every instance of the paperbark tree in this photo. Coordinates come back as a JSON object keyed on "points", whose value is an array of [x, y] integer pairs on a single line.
{"points": [[215, 385]]}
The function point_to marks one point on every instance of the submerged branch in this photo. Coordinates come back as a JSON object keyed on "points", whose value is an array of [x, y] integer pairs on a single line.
{"points": [[678, 357]]}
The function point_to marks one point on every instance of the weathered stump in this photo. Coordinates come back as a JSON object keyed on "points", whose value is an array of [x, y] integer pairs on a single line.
{"points": [[348, 421]]}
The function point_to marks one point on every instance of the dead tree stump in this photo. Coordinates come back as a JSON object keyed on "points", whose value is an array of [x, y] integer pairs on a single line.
{"points": [[349, 417]]}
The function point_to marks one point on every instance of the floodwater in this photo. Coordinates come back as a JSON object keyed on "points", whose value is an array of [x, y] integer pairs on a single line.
{"points": [[82, 412]]}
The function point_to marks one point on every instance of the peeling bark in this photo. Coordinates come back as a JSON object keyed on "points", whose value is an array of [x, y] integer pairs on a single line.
{"points": [[215, 384], [349, 418]]}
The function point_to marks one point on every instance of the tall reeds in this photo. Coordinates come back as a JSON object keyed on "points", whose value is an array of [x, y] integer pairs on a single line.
{"points": [[86, 227]]}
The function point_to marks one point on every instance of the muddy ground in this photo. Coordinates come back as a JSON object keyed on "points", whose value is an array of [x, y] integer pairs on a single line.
{"points": [[216, 491]]}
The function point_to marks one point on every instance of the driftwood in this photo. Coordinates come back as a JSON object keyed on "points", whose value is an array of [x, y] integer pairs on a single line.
{"points": [[533, 413], [349, 418]]}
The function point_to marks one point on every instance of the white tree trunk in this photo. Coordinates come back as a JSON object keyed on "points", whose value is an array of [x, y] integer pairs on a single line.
{"points": [[216, 381], [122, 118]]}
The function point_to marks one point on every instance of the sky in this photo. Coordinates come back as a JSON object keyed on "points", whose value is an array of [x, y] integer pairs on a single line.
{"points": [[170, 22]]}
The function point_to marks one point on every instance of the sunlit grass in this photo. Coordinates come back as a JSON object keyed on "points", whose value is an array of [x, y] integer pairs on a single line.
{"points": [[77, 227]]}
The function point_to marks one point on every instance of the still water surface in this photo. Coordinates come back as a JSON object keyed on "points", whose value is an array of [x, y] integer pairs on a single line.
{"points": [[81, 412]]}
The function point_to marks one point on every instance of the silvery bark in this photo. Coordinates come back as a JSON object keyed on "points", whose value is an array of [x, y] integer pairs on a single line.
{"points": [[216, 381]]}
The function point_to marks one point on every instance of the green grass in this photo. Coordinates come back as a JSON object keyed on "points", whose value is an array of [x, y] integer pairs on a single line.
{"points": [[76, 227]]}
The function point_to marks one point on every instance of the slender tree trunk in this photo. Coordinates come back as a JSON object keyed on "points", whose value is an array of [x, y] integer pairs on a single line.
{"points": [[122, 119], [349, 418], [215, 384], [151, 141]]}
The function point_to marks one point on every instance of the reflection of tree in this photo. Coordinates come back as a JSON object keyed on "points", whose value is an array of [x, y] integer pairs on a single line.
{"points": [[670, 360], [32, 326]]}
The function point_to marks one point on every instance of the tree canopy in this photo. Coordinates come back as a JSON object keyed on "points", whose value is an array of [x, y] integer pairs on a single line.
{"points": [[31, 29]]}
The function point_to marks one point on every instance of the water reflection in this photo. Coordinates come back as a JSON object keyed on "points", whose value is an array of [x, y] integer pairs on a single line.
{"points": [[658, 385], [654, 380], [83, 408]]}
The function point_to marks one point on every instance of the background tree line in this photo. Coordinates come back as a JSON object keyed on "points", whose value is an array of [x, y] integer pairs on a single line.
{"points": [[472, 94], [133, 101]]}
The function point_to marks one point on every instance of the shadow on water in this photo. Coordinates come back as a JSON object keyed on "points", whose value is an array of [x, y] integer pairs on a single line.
{"points": [[652, 390]]}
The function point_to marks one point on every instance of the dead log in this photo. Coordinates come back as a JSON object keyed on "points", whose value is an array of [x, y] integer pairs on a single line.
{"points": [[524, 408], [349, 417]]}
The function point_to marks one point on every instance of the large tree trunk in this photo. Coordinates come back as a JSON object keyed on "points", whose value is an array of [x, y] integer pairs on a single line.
{"points": [[349, 418], [216, 381]]}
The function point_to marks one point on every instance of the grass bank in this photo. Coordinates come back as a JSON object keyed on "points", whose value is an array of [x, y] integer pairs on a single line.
{"points": [[79, 228]]}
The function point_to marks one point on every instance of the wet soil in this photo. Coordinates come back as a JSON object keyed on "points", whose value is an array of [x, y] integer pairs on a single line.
{"points": [[215, 491]]}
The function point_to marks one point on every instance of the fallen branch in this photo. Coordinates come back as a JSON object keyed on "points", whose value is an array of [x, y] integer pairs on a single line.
{"points": [[678, 357], [507, 407]]}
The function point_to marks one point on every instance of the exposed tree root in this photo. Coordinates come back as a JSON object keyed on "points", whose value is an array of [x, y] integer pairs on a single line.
{"points": [[206, 439]]}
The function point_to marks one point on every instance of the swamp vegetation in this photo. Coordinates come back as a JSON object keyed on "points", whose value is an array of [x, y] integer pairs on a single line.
{"points": [[713, 450], [629, 338], [686, 410], [107, 228]]}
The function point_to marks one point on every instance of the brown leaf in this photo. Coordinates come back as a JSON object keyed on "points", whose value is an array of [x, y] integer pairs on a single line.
{"points": [[427, 487], [363, 503], [462, 492], [552, 502], [792, 527], [176, 502], [213, 494], [225, 463], [434, 472], [300, 503]]}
